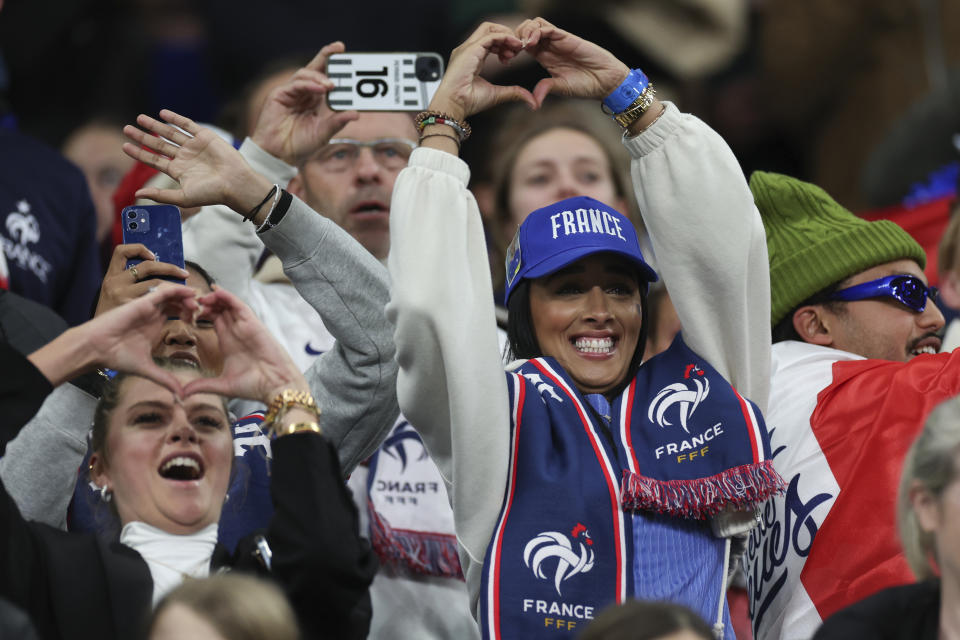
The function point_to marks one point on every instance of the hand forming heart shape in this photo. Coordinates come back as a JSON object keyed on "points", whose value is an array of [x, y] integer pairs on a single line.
{"points": [[577, 68]]}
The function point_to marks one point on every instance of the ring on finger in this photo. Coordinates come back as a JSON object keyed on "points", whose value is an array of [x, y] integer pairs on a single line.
{"points": [[133, 272]]}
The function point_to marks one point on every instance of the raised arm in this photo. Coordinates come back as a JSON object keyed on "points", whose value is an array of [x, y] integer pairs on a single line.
{"points": [[355, 381], [707, 234], [295, 121], [451, 384], [710, 246], [221, 241], [318, 556], [39, 464]]}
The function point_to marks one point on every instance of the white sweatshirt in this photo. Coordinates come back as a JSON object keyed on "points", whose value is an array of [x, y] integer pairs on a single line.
{"points": [[711, 251]]}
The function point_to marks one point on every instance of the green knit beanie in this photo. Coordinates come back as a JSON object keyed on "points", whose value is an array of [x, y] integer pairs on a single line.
{"points": [[814, 242]]}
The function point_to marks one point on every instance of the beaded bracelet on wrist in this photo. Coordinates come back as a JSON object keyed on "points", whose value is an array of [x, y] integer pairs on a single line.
{"points": [[425, 118]]}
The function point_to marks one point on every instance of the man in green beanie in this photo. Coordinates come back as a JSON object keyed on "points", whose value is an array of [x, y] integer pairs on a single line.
{"points": [[855, 371]]}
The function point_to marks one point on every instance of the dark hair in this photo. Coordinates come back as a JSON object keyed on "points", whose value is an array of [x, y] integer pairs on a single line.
{"points": [[784, 330], [639, 620], [520, 334], [200, 271], [522, 339], [187, 264], [236, 112], [656, 298]]}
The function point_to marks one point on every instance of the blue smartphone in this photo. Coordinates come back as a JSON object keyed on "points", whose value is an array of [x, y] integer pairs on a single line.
{"points": [[156, 226]]}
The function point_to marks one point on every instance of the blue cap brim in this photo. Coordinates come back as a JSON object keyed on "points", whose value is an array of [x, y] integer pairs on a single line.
{"points": [[560, 260]]}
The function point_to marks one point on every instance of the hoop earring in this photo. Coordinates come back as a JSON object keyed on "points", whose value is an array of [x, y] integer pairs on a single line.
{"points": [[105, 494]]}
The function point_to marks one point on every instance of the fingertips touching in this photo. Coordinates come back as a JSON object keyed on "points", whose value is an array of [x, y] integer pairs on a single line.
{"points": [[205, 385], [165, 379]]}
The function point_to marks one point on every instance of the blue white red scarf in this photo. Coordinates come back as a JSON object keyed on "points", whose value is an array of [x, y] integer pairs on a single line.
{"points": [[679, 441], [411, 523]]}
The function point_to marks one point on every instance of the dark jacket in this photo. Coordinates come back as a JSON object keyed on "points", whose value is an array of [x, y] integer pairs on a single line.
{"points": [[75, 586], [908, 612]]}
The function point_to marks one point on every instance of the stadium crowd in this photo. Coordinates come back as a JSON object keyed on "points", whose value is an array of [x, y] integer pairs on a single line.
{"points": [[555, 353]]}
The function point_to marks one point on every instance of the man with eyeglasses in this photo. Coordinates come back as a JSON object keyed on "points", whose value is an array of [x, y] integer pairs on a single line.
{"points": [[350, 179], [855, 371], [343, 165]]}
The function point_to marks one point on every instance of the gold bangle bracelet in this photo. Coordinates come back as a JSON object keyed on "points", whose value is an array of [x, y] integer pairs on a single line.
{"points": [[298, 427], [283, 402], [637, 109], [663, 109]]}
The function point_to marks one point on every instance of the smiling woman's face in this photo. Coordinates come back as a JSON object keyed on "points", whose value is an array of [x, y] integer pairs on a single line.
{"points": [[588, 317], [196, 342], [167, 462]]}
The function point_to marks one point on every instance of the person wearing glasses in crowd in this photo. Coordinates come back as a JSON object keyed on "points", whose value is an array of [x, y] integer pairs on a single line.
{"points": [[343, 164], [570, 473], [855, 371]]}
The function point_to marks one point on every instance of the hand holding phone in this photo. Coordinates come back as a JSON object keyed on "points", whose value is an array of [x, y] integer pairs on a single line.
{"points": [[383, 81], [152, 250], [158, 228]]}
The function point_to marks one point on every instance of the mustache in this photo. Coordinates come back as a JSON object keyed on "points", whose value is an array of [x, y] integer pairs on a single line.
{"points": [[913, 343]]}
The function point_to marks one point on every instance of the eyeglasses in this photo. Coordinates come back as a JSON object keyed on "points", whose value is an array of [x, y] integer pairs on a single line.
{"points": [[341, 154], [907, 290]]}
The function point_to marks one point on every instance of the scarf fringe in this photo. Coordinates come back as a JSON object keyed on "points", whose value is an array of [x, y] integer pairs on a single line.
{"points": [[414, 552], [742, 487]]}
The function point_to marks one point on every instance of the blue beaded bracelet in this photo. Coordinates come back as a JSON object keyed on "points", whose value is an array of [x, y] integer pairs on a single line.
{"points": [[628, 91]]}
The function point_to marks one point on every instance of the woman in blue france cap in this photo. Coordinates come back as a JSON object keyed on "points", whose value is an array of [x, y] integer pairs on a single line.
{"points": [[582, 477]]}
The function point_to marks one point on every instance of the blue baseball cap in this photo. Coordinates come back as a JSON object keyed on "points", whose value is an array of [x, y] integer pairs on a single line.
{"points": [[563, 232]]}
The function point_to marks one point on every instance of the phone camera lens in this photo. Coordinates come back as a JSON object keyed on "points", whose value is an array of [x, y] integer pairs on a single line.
{"points": [[131, 214], [132, 226], [427, 68]]}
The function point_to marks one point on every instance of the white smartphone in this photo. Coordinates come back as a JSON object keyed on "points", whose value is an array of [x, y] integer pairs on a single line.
{"points": [[383, 81]]}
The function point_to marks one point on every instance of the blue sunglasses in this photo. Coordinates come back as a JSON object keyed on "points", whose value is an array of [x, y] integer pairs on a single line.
{"points": [[907, 290]]}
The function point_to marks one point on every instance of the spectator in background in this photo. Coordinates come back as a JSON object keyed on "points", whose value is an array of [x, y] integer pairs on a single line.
{"points": [[25, 324], [641, 620], [948, 271], [95, 148], [224, 607], [928, 518], [240, 115], [343, 165], [855, 371], [48, 228], [538, 158]]}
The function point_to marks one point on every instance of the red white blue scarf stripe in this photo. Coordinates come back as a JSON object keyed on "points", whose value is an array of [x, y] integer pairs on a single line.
{"points": [[562, 547]]}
